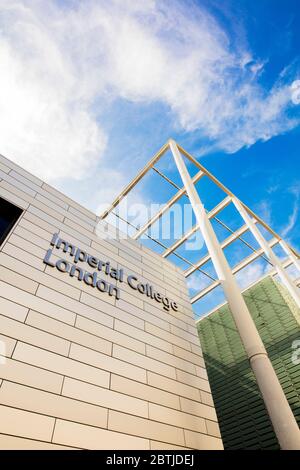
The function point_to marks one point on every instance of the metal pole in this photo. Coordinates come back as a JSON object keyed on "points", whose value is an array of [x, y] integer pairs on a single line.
{"points": [[227, 191], [290, 254], [293, 290], [281, 416], [135, 181]]}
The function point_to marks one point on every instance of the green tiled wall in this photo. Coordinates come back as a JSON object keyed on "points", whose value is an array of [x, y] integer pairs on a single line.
{"points": [[243, 419]]}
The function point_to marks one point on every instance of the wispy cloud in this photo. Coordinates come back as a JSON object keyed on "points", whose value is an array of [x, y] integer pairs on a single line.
{"points": [[197, 282], [273, 188], [62, 65], [293, 217], [295, 88], [264, 210], [252, 273]]}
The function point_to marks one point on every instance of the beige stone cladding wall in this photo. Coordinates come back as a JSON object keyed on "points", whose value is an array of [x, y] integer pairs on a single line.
{"points": [[82, 369]]}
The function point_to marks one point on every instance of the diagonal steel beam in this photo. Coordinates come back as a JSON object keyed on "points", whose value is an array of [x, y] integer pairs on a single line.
{"points": [[227, 191], [166, 207], [286, 263], [234, 236], [235, 269], [273, 258], [133, 183], [164, 246], [224, 203]]}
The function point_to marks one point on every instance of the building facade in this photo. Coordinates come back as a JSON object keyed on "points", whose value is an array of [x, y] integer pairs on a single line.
{"points": [[243, 418], [98, 344]]}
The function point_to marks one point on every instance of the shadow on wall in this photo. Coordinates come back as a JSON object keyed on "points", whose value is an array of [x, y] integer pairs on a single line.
{"points": [[243, 419]]}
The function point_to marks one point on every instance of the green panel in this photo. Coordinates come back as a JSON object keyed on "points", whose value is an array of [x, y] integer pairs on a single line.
{"points": [[243, 419]]}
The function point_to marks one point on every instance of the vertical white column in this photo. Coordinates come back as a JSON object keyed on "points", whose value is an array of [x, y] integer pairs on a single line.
{"points": [[287, 281], [291, 255], [281, 416]]}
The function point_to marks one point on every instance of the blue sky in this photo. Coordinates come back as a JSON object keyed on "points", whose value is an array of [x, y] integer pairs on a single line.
{"points": [[89, 90]]}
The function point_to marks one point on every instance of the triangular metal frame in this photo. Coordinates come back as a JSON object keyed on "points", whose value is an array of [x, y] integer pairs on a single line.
{"points": [[230, 198], [281, 415]]}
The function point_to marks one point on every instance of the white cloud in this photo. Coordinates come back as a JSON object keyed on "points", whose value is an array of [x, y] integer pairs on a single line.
{"points": [[291, 221], [295, 91], [43, 124], [257, 67], [264, 210], [252, 273], [293, 217], [63, 63], [197, 282]]}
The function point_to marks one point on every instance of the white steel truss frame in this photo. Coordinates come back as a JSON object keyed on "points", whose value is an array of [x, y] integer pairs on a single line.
{"points": [[229, 198], [281, 416]]}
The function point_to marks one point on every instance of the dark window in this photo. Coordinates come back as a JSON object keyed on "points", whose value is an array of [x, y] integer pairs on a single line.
{"points": [[9, 214]]}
